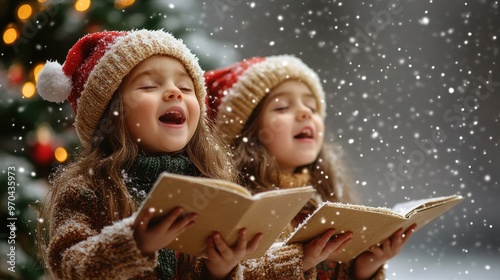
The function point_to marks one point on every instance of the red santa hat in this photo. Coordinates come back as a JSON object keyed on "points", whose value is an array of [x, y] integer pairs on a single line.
{"points": [[235, 91], [96, 65]]}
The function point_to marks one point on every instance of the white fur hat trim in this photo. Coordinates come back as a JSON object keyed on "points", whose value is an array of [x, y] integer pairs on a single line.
{"points": [[53, 85]]}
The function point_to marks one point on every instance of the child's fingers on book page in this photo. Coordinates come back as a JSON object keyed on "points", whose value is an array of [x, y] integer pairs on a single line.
{"points": [[378, 250], [165, 222], [341, 238], [323, 239], [341, 242], [254, 243], [408, 232], [143, 222], [246, 246], [183, 223], [221, 245], [397, 237], [390, 247], [211, 250], [242, 239], [397, 241]]}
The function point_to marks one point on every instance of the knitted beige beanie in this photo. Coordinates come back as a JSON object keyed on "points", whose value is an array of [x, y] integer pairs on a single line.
{"points": [[235, 91]]}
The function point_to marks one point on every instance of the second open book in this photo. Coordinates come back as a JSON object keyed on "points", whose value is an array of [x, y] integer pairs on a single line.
{"points": [[370, 225]]}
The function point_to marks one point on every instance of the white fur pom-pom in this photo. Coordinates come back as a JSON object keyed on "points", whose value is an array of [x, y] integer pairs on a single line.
{"points": [[52, 84]]}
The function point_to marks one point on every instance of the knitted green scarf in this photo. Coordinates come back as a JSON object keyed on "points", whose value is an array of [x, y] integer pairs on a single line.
{"points": [[140, 180]]}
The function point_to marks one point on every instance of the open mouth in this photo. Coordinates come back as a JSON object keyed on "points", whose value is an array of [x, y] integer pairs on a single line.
{"points": [[306, 133], [172, 117]]}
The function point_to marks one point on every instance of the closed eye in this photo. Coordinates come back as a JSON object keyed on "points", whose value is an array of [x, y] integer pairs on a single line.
{"points": [[313, 109], [147, 87], [186, 89], [281, 109]]}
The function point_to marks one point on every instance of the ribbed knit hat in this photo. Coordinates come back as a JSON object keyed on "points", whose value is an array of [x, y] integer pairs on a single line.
{"points": [[96, 66], [235, 91]]}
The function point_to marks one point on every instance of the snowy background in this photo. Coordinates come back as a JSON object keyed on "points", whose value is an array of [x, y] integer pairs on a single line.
{"points": [[409, 102]]}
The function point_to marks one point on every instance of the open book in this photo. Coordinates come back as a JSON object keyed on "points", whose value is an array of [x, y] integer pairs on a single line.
{"points": [[369, 225], [224, 207]]}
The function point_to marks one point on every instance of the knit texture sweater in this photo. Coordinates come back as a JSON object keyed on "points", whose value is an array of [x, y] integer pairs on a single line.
{"points": [[85, 244]]}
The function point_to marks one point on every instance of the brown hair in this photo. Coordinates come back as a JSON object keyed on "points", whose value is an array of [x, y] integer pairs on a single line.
{"points": [[260, 171], [111, 152]]}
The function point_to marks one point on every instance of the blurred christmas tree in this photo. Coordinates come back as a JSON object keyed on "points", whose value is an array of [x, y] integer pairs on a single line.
{"points": [[37, 135]]}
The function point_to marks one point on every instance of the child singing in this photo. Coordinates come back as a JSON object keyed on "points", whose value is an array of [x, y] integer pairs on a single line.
{"points": [[271, 111], [139, 103]]}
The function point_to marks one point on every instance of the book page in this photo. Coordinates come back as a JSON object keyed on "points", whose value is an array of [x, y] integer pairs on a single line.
{"points": [[408, 208], [280, 192], [369, 225], [271, 213], [220, 209], [230, 186], [431, 210]]}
